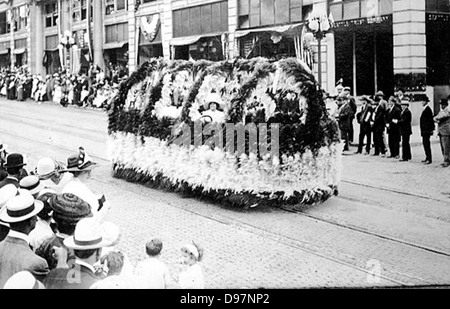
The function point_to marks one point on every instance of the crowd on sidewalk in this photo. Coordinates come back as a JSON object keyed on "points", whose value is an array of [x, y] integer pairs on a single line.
{"points": [[92, 90], [386, 126], [53, 233]]}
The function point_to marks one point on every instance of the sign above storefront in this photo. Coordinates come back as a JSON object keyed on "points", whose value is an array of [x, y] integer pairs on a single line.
{"points": [[364, 21], [438, 17]]}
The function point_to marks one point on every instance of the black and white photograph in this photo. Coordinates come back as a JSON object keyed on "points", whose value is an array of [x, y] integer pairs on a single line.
{"points": [[226, 145]]}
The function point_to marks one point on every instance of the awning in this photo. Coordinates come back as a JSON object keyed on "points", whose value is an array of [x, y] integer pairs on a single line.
{"points": [[19, 51], [4, 52], [114, 45], [188, 40], [279, 29]]}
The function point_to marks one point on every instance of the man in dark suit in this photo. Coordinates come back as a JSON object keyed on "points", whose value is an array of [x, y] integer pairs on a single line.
{"points": [[86, 242], [346, 94], [392, 119], [345, 117], [405, 126], [16, 255], [364, 118], [378, 126], [427, 128], [14, 167]]}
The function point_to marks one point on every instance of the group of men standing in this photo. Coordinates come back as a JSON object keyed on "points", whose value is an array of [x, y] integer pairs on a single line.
{"points": [[378, 116]]}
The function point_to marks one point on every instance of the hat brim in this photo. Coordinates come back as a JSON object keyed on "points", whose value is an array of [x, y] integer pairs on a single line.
{"points": [[38, 206], [15, 166], [76, 169], [221, 105], [70, 243]]}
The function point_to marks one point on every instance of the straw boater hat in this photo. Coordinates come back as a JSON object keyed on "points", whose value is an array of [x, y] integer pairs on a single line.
{"points": [[23, 280], [379, 94], [213, 98], [32, 184], [6, 194], [366, 98], [81, 162], [20, 208], [88, 236]]}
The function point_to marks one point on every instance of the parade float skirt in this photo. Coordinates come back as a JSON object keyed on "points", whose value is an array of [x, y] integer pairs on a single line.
{"points": [[274, 143]]}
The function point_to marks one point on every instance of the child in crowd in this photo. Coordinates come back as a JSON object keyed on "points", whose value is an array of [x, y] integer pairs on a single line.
{"points": [[192, 277], [153, 273]]}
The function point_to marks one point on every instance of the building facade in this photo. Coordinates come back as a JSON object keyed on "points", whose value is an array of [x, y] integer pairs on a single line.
{"points": [[373, 45]]}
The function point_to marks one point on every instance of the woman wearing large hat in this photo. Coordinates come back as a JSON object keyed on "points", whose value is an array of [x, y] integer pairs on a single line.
{"points": [[214, 107], [81, 167]]}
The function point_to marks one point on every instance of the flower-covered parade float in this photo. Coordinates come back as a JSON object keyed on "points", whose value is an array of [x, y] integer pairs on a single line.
{"points": [[275, 104]]}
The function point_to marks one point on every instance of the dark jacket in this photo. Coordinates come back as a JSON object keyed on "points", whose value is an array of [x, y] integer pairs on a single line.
{"points": [[10, 180], [345, 117], [16, 256], [379, 119], [365, 117], [79, 277], [427, 125], [405, 123], [391, 115]]}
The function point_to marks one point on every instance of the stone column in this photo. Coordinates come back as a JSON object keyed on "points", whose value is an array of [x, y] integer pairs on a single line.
{"points": [[331, 63], [98, 33], [232, 26], [36, 38], [133, 35], [409, 27], [167, 28]]}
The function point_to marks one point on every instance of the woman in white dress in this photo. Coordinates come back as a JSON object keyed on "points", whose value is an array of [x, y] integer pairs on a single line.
{"points": [[57, 95], [213, 106]]}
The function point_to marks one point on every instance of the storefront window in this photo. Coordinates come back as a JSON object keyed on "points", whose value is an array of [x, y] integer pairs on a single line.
{"points": [[262, 45]]}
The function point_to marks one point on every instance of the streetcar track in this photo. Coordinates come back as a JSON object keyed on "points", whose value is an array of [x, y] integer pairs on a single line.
{"points": [[245, 225], [395, 191]]}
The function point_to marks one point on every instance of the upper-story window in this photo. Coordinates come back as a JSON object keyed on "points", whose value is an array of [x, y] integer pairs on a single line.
{"points": [[19, 17], [79, 10], [441, 6], [113, 6], [51, 15], [356, 9]]}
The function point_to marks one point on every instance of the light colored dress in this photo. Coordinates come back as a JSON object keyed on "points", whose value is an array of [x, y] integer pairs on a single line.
{"points": [[192, 278], [57, 95]]}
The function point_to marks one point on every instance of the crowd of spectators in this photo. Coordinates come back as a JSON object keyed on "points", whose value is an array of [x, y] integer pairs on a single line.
{"points": [[93, 89]]}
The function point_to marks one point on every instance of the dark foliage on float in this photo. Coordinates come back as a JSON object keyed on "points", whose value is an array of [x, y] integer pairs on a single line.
{"points": [[298, 133]]}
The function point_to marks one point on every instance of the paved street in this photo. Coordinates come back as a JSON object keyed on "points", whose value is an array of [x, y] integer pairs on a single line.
{"points": [[389, 214]]}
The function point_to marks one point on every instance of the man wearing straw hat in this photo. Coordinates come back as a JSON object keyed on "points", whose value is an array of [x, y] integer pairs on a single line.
{"points": [[15, 252], [87, 243]]}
